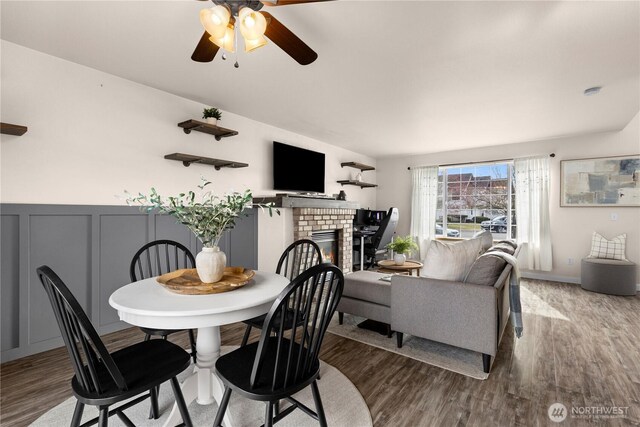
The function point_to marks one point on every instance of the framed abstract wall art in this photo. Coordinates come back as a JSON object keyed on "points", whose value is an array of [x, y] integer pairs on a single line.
{"points": [[604, 181]]}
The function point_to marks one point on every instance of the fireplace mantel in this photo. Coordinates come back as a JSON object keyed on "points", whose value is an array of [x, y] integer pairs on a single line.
{"points": [[291, 201]]}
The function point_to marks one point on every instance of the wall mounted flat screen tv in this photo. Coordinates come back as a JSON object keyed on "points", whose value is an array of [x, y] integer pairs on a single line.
{"points": [[297, 169]]}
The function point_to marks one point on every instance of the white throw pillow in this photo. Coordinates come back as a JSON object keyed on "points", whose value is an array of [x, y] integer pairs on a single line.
{"points": [[608, 249], [450, 261]]}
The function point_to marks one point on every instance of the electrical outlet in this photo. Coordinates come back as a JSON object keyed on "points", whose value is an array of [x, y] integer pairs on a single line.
{"points": [[570, 261], [614, 216]]}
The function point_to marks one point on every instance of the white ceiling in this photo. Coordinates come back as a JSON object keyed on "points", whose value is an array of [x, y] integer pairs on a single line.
{"points": [[392, 77]]}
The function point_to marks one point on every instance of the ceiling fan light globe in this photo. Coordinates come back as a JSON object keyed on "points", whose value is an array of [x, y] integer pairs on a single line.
{"points": [[252, 24], [226, 41], [253, 44], [215, 20]]}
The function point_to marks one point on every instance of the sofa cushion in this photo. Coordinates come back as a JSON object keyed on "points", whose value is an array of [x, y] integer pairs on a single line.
{"points": [[450, 261], [486, 270], [367, 286]]}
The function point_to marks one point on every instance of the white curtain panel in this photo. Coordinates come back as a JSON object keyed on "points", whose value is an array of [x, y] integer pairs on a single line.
{"points": [[533, 229], [424, 200]]}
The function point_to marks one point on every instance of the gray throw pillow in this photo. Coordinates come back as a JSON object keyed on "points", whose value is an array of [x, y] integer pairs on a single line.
{"points": [[486, 270]]}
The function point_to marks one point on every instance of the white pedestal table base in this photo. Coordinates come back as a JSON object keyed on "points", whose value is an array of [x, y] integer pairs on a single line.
{"points": [[203, 385]]}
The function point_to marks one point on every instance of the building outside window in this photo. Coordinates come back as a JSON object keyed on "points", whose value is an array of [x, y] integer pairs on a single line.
{"points": [[476, 197]]}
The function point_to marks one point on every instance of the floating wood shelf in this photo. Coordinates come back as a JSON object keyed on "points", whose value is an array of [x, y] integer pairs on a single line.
{"points": [[357, 165], [214, 130], [9, 129], [187, 159], [357, 183]]}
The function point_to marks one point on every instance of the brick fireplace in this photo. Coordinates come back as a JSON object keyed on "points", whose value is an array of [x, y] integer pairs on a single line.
{"points": [[306, 221]]}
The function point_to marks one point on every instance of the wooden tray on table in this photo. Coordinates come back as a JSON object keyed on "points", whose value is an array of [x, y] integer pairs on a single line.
{"points": [[187, 282]]}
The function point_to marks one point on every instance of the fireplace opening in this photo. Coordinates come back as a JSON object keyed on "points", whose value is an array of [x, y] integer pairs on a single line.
{"points": [[328, 242]]}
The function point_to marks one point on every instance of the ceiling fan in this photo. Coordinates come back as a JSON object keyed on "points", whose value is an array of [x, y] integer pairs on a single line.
{"points": [[255, 27]]}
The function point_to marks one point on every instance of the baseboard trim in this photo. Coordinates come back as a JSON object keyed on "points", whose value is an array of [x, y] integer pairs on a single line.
{"points": [[550, 277], [554, 278]]}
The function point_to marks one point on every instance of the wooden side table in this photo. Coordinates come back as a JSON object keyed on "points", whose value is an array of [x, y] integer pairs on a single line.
{"points": [[389, 266]]}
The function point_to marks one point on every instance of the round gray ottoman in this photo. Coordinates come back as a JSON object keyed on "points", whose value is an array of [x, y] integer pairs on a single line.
{"points": [[608, 276]]}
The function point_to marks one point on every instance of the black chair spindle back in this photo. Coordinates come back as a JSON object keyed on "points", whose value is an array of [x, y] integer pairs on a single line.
{"points": [[298, 257], [313, 296], [86, 350], [160, 257]]}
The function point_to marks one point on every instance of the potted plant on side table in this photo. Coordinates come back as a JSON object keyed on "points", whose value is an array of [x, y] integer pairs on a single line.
{"points": [[207, 217], [400, 247], [212, 115]]}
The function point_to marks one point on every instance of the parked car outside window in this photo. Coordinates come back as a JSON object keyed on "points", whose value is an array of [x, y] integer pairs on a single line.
{"points": [[450, 232], [498, 224]]}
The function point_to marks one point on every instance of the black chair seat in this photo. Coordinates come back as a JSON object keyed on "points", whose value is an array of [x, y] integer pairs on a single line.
{"points": [[143, 365], [234, 369], [159, 332], [258, 321]]}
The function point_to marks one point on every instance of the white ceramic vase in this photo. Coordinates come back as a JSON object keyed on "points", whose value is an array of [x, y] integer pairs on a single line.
{"points": [[399, 259], [210, 264], [212, 121]]}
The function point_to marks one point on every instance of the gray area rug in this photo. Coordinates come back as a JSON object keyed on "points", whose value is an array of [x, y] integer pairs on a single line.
{"points": [[343, 406], [444, 356]]}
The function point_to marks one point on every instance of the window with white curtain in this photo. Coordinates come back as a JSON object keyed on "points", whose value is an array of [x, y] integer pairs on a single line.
{"points": [[476, 197]]}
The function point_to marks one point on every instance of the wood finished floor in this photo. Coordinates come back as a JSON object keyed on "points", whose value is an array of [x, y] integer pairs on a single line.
{"points": [[579, 348]]}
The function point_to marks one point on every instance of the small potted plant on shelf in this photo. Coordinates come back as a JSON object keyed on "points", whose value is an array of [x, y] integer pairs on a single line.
{"points": [[207, 217], [400, 247], [212, 115]]}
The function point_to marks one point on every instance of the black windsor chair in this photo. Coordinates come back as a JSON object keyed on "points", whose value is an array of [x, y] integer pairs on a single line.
{"points": [[276, 367], [101, 378], [153, 259], [156, 258], [298, 257]]}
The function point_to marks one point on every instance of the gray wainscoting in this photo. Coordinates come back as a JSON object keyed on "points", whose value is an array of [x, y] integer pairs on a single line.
{"points": [[90, 248]]}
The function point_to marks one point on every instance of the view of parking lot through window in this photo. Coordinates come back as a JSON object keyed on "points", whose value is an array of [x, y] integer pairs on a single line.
{"points": [[472, 198]]}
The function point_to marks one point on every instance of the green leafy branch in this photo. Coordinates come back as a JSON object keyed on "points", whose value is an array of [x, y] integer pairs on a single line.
{"points": [[207, 216]]}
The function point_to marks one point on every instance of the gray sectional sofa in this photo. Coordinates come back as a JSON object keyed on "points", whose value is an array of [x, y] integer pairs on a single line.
{"points": [[471, 314]]}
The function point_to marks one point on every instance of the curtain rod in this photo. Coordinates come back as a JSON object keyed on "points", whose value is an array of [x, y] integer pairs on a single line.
{"points": [[475, 163]]}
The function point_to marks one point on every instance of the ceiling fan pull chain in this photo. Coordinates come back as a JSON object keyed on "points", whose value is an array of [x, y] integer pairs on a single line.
{"points": [[235, 44]]}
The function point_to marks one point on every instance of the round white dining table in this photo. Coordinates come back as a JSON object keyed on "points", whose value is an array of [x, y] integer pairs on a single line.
{"points": [[148, 304]]}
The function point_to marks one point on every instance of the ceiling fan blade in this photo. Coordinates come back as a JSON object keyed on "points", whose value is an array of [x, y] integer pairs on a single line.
{"points": [[287, 41], [287, 2], [205, 50]]}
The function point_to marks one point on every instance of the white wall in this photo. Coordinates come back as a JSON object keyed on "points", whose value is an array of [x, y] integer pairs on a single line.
{"points": [[92, 135], [571, 227]]}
